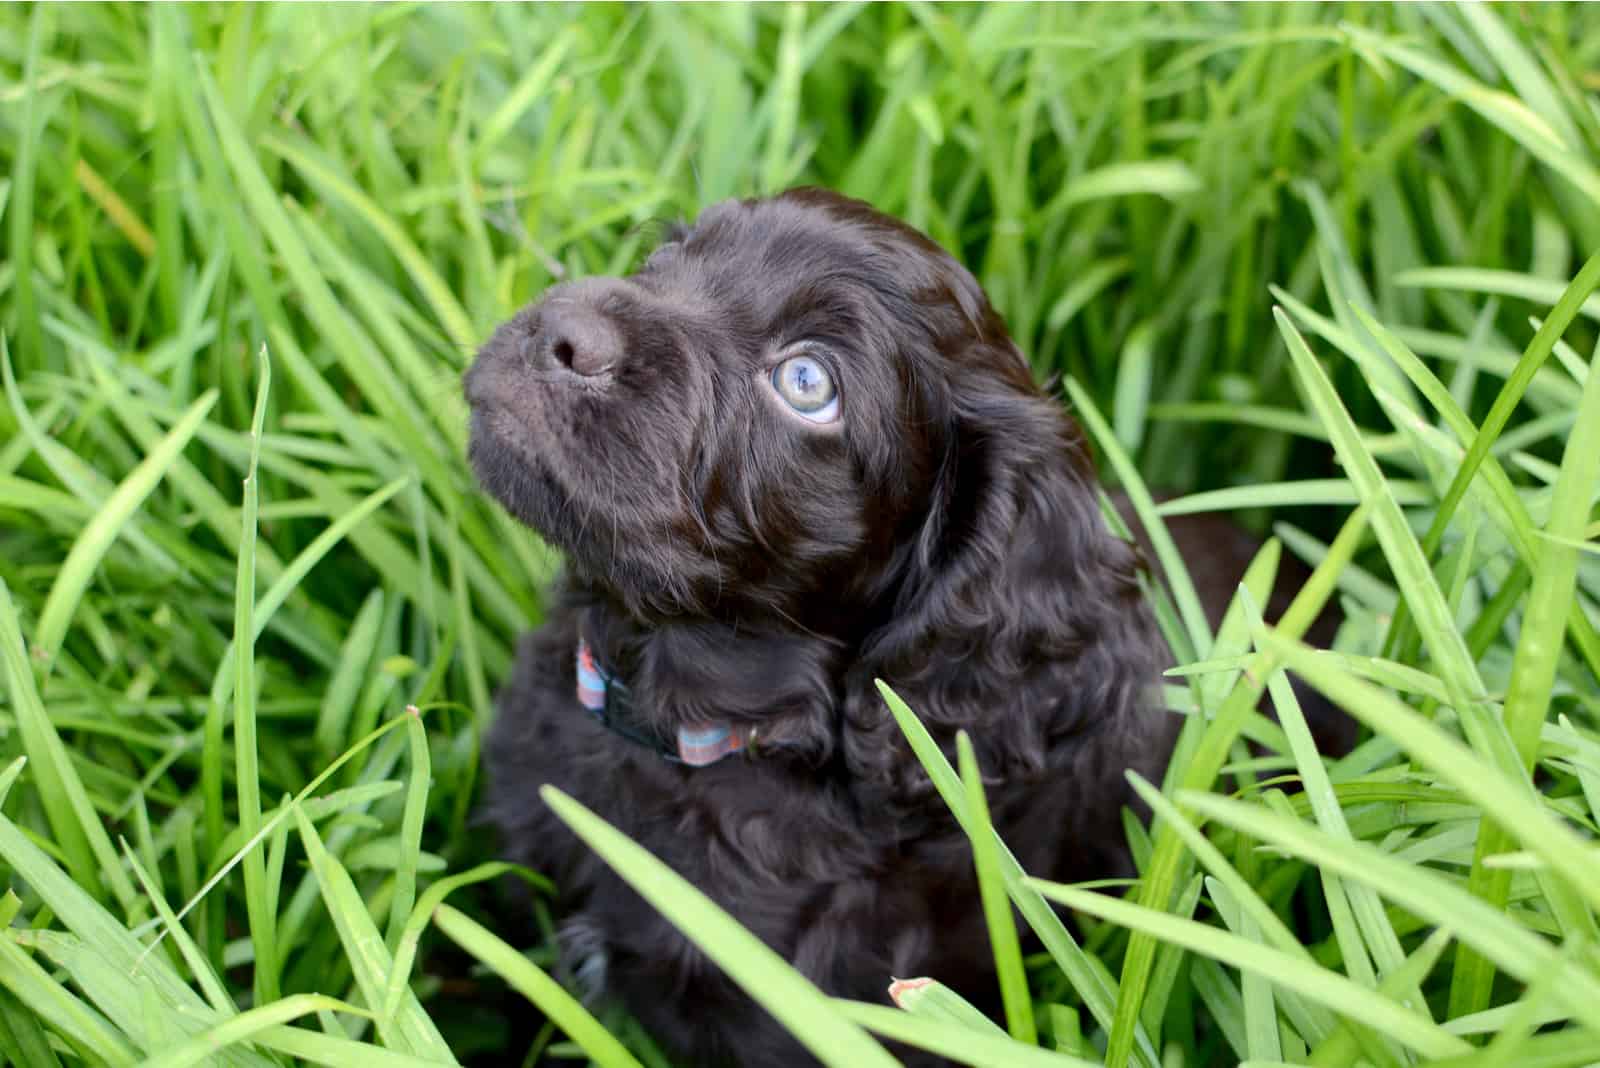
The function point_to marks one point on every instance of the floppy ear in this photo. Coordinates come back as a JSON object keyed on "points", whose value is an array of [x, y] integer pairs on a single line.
{"points": [[1019, 618]]}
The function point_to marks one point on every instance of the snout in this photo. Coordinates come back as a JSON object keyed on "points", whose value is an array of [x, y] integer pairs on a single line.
{"points": [[568, 429]]}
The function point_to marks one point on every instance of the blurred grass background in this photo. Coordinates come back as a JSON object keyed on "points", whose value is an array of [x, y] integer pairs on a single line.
{"points": [[363, 192]]}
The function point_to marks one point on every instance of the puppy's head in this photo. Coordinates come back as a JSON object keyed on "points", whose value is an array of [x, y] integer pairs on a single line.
{"points": [[756, 417]]}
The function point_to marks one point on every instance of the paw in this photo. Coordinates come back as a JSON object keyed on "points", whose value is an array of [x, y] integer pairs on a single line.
{"points": [[584, 957]]}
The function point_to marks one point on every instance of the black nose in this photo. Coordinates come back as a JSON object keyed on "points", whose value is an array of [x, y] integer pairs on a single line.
{"points": [[572, 333]]}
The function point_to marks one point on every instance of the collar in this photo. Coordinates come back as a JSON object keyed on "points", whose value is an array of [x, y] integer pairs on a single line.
{"points": [[608, 700]]}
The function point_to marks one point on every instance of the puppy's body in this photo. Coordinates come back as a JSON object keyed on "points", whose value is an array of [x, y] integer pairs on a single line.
{"points": [[849, 883], [737, 560]]}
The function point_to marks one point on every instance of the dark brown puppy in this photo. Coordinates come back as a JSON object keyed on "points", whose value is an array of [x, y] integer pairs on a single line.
{"points": [[795, 452]]}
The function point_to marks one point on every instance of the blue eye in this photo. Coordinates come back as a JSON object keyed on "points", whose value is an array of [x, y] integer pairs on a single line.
{"points": [[805, 385]]}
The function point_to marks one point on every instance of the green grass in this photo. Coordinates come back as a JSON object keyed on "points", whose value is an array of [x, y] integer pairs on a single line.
{"points": [[1329, 268]]}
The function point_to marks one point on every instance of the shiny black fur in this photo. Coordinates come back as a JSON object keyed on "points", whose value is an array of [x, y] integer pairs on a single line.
{"points": [[736, 563]]}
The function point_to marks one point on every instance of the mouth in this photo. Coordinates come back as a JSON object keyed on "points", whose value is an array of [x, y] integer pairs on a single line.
{"points": [[512, 439], [513, 471]]}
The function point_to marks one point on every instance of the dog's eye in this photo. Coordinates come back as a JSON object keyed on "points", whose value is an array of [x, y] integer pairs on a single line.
{"points": [[804, 384]]}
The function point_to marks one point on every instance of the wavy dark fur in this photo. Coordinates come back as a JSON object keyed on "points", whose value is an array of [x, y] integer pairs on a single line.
{"points": [[735, 563]]}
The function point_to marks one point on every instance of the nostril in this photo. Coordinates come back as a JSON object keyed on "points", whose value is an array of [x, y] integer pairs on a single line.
{"points": [[574, 335]]}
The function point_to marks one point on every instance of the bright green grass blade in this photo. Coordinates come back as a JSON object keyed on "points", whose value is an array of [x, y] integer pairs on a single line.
{"points": [[1522, 532], [783, 103], [1560, 317], [1499, 282], [1351, 1038], [932, 999], [1258, 1002], [300, 807], [1286, 495], [66, 802], [412, 1030], [1377, 933], [762, 974], [203, 1047], [1313, 1021], [1457, 668], [1172, 565], [1508, 1047], [1197, 767], [199, 966], [88, 920], [1098, 991], [1516, 950], [1501, 109], [996, 908], [22, 1036], [1131, 398], [422, 914], [1509, 797], [1272, 929], [458, 326], [56, 1007], [8, 777], [260, 915], [1522, 71], [526, 92], [953, 1040], [1488, 734], [1172, 964], [339, 331], [1533, 669], [532, 983], [1163, 178], [24, 181], [293, 574], [1319, 984], [1289, 422], [78, 569], [339, 698], [314, 1048], [416, 809]]}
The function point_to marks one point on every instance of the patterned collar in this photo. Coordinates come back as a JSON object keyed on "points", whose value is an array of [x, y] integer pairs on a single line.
{"points": [[607, 699]]}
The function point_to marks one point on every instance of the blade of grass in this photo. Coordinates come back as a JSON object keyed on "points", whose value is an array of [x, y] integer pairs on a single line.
{"points": [[411, 820], [1197, 767], [90, 548], [952, 1040], [1507, 795], [1318, 984], [241, 1028], [1517, 950], [247, 780], [1533, 668], [996, 908], [1098, 991], [24, 178], [422, 914], [1522, 531], [61, 791], [77, 1023], [532, 983], [412, 1031], [1456, 666], [761, 973]]}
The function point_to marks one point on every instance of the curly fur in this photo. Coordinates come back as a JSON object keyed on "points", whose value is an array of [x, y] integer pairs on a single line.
{"points": [[734, 563]]}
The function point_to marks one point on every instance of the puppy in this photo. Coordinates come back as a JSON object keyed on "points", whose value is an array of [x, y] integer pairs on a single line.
{"points": [[795, 452]]}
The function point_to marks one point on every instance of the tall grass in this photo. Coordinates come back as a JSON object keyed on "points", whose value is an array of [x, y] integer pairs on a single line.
{"points": [[1326, 267]]}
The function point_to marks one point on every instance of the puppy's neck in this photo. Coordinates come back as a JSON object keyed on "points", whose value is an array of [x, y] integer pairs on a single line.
{"points": [[687, 672]]}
